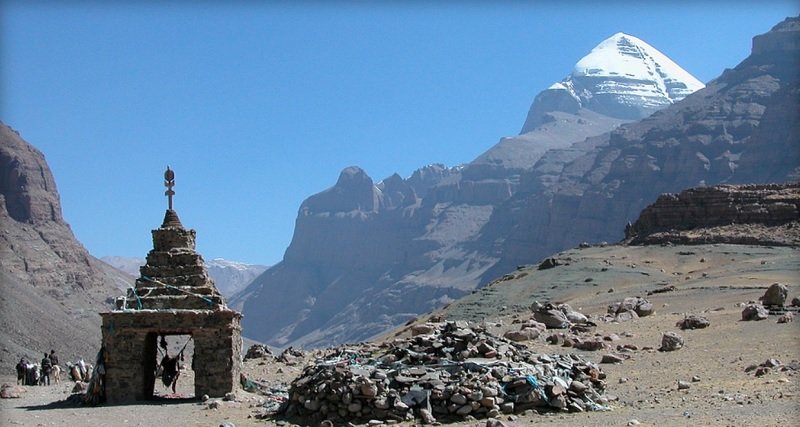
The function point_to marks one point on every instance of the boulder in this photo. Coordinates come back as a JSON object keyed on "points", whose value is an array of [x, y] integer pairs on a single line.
{"points": [[693, 322], [612, 358], [641, 306], [551, 316], [11, 392], [258, 351], [775, 295], [549, 263], [754, 312], [671, 341], [572, 315], [526, 334], [423, 329]]}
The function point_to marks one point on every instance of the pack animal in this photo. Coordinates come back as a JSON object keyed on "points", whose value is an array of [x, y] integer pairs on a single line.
{"points": [[56, 373]]}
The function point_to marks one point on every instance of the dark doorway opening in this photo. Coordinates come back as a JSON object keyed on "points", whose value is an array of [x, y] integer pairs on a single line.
{"points": [[168, 370]]}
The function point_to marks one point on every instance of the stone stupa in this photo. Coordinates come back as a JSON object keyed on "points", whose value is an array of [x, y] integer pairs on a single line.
{"points": [[174, 295]]}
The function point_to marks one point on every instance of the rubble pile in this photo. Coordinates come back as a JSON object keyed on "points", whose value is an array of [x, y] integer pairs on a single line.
{"points": [[629, 309], [258, 351], [454, 370]]}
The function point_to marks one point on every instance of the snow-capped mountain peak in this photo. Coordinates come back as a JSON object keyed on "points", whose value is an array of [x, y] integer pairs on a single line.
{"points": [[623, 77], [630, 57]]}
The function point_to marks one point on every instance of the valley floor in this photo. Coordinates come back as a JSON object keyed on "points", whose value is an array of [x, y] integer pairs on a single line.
{"points": [[711, 281]]}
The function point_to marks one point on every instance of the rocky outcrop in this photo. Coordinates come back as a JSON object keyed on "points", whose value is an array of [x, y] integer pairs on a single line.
{"points": [[51, 288], [722, 214]]}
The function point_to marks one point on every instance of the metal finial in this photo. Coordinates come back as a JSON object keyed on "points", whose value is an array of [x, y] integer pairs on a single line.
{"points": [[169, 182]]}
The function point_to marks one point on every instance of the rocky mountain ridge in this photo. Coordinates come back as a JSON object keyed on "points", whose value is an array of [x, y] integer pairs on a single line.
{"points": [[51, 288], [366, 257]]}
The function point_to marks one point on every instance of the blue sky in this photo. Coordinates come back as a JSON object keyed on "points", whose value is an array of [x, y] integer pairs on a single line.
{"points": [[258, 105]]}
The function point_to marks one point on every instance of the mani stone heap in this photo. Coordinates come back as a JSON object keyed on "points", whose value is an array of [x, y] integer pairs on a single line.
{"points": [[173, 296]]}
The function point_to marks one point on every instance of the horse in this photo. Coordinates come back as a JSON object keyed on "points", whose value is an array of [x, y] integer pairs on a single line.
{"points": [[56, 373]]}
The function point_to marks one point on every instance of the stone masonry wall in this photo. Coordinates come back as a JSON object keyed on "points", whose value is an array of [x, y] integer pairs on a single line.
{"points": [[129, 339]]}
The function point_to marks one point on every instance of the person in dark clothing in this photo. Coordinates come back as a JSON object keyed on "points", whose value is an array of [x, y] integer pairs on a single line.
{"points": [[53, 358], [171, 371], [22, 368], [47, 367]]}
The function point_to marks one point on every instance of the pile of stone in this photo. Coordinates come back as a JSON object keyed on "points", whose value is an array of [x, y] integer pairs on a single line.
{"points": [[448, 370], [629, 309], [557, 317], [258, 351]]}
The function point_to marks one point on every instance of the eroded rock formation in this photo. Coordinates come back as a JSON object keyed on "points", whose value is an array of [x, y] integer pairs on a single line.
{"points": [[752, 214]]}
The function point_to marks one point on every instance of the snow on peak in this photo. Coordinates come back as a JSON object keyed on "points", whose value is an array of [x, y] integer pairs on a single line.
{"points": [[224, 263], [622, 78], [628, 57]]}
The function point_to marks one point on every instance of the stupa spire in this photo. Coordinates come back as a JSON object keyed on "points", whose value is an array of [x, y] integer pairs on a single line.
{"points": [[170, 217], [169, 182]]}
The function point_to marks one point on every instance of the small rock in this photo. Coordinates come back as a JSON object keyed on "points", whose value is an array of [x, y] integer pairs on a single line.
{"points": [[522, 335], [683, 385], [426, 416], [633, 422], [671, 341], [695, 379], [612, 358], [423, 329], [693, 322]]}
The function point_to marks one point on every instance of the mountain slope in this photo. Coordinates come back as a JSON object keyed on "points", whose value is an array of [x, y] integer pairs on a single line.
{"points": [[368, 256], [742, 128], [51, 289]]}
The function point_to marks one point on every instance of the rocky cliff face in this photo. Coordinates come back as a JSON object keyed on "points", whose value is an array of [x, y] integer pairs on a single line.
{"points": [[367, 256], [747, 214], [52, 289]]}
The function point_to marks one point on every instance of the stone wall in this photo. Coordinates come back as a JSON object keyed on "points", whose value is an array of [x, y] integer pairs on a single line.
{"points": [[130, 342]]}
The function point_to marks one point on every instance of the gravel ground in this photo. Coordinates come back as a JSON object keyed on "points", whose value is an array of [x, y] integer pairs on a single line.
{"points": [[709, 280]]}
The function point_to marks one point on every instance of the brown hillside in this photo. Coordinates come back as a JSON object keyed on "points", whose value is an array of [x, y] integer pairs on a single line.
{"points": [[51, 288]]}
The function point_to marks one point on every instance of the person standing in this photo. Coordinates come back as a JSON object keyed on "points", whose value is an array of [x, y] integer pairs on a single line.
{"points": [[22, 371], [53, 358], [47, 366]]}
